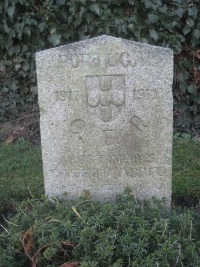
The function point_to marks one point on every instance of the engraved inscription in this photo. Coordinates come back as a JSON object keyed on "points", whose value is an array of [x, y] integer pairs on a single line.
{"points": [[106, 118], [76, 126], [105, 160], [137, 122], [67, 95], [109, 60], [158, 171], [123, 58], [142, 93], [147, 171], [93, 173], [105, 96]]}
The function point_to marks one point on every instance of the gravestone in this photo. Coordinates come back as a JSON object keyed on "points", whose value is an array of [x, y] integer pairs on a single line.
{"points": [[106, 118]]}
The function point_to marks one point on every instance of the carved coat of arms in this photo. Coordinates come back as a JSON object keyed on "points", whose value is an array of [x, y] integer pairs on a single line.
{"points": [[105, 96]]}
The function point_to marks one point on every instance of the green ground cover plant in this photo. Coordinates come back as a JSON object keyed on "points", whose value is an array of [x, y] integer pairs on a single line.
{"points": [[91, 234], [37, 232]]}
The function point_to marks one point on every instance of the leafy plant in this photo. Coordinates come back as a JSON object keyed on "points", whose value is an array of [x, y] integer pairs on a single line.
{"points": [[84, 233], [27, 27]]}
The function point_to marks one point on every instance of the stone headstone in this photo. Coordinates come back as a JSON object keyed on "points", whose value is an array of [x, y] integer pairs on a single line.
{"points": [[106, 118]]}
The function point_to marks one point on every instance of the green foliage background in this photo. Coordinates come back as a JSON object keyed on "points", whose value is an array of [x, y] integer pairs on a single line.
{"points": [[30, 26]]}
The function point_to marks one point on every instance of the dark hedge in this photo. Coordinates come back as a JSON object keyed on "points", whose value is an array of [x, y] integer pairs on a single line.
{"points": [[30, 26]]}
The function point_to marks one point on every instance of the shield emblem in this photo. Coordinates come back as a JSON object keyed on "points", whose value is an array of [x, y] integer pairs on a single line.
{"points": [[105, 96]]}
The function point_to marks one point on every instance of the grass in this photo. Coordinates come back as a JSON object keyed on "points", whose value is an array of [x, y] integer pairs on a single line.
{"points": [[186, 170], [91, 234], [21, 172]]}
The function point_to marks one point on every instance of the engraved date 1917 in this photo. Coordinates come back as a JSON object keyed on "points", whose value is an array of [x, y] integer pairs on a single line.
{"points": [[70, 95]]}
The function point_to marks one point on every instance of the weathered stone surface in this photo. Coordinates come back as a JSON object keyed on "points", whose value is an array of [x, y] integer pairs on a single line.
{"points": [[106, 118]]}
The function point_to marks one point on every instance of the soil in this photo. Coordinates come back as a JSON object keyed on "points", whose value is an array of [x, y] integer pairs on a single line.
{"points": [[26, 126], [186, 201]]}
